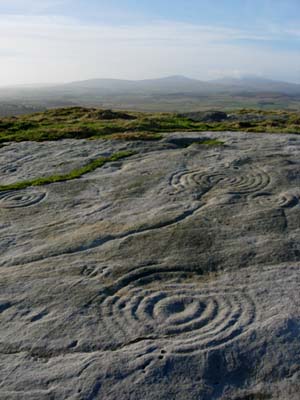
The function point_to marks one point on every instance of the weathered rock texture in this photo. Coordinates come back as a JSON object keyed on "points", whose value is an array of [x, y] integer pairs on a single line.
{"points": [[173, 274]]}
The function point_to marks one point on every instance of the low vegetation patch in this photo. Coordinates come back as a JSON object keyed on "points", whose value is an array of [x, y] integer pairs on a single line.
{"points": [[93, 123], [76, 173], [212, 142], [136, 136]]}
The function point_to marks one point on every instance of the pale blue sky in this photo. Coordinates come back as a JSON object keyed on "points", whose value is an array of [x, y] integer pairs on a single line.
{"points": [[63, 40]]}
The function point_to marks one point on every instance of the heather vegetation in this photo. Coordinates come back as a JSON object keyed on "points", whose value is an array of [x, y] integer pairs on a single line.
{"points": [[93, 123]]}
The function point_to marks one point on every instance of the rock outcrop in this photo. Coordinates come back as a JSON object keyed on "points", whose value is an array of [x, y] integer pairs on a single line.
{"points": [[172, 274]]}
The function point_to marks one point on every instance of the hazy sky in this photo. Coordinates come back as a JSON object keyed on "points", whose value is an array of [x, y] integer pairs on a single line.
{"points": [[65, 40]]}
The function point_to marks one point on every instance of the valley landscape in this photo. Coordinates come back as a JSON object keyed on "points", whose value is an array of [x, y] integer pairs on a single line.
{"points": [[169, 94]]}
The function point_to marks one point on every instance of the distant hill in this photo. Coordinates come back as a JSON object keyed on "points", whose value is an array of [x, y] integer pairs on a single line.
{"points": [[173, 84], [258, 85], [173, 93]]}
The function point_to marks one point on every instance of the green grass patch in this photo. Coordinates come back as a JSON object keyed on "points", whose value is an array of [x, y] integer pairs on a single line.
{"points": [[92, 123], [76, 173], [212, 142], [146, 136]]}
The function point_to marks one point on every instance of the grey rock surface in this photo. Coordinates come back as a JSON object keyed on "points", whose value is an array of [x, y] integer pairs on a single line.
{"points": [[173, 274]]}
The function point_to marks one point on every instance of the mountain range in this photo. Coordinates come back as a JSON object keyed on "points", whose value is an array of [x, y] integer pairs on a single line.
{"points": [[173, 93], [177, 83]]}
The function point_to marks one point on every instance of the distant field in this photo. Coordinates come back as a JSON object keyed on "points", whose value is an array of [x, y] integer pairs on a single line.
{"points": [[81, 122], [169, 94], [176, 102], [183, 102]]}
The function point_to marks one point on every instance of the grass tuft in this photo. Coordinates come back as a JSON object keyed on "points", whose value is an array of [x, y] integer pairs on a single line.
{"points": [[76, 173], [93, 123], [212, 142]]}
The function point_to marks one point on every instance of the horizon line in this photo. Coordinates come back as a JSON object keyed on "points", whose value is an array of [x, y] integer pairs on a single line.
{"points": [[215, 80]]}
